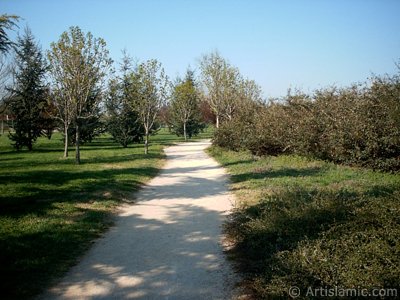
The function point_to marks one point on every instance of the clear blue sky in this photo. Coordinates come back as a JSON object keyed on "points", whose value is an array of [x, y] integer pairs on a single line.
{"points": [[280, 44]]}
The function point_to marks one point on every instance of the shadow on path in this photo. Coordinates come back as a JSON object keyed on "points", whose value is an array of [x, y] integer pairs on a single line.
{"points": [[168, 245]]}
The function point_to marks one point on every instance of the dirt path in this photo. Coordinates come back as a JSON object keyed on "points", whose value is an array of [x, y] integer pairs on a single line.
{"points": [[168, 245]]}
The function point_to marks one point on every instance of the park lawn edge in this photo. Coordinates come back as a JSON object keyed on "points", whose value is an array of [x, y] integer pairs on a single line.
{"points": [[308, 223], [41, 237]]}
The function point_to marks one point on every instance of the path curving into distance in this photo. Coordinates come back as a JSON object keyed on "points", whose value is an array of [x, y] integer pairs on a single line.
{"points": [[168, 244]]}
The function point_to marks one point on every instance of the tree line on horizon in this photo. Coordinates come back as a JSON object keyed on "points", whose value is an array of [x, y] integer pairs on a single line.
{"points": [[74, 88]]}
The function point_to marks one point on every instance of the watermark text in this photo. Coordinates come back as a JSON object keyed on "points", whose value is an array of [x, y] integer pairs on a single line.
{"points": [[319, 292]]}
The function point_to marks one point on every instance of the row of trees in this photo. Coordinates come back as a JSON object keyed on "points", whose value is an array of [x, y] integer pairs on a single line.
{"points": [[68, 89], [73, 88], [225, 89]]}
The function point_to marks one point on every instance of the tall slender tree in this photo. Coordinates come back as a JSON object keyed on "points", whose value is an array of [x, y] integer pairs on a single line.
{"points": [[221, 83], [123, 122], [79, 65], [184, 107], [149, 94], [28, 102], [7, 22]]}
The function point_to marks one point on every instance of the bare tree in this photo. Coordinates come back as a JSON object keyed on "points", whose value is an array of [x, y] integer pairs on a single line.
{"points": [[78, 66], [249, 92], [149, 94], [231, 84], [6, 78], [221, 83], [212, 68]]}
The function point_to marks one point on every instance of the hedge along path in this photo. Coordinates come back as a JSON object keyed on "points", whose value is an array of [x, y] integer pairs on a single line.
{"points": [[166, 246]]}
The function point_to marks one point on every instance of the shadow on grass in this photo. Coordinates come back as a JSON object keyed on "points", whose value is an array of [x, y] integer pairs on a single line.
{"points": [[30, 259], [284, 172], [110, 159], [381, 190], [88, 185]]}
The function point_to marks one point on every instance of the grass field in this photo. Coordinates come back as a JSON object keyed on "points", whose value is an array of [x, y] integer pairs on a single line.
{"points": [[308, 223], [51, 210]]}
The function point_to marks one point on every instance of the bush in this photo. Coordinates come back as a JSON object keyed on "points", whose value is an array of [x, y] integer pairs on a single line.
{"points": [[359, 125], [318, 239], [239, 132]]}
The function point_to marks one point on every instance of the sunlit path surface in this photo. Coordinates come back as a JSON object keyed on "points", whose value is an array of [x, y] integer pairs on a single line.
{"points": [[168, 244]]}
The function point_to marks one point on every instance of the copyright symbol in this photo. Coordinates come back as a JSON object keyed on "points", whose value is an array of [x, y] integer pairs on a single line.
{"points": [[294, 292]]}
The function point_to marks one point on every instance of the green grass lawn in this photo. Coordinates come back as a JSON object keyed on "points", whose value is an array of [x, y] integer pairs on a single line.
{"points": [[51, 209], [165, 137], [302, 222]]}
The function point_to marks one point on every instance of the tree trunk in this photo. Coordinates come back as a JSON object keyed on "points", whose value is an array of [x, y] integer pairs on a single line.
{"points": [[2, 126], [146, 142], [29, 141], [184, 131], [77, 140], [66, 141], [217, 121]]}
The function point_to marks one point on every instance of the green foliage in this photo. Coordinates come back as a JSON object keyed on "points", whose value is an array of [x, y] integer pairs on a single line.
{"points": [[125, 128], [7, 22], [123, 121], [79, 64], [148, 95], [89, 129], [193, 128], [28, 102], [91, 125], [359, 125], [308, 223], [236, 134], [184, 113]]}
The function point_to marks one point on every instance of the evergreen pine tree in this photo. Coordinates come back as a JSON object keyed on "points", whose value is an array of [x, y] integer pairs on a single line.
{"points": [[123, 123], [28, 103]]}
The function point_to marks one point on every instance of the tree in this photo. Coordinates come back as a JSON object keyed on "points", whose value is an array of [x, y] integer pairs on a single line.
{"points": [[221, 82], [184, 109], [149, 94], [28, 101], [7, 22], [92, 125], [6, 79], [231, 84], [79, 64], [123, 123]]}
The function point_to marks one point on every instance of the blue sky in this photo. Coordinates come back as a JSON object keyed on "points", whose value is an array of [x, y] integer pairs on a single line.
{"points": [[280, 44]]}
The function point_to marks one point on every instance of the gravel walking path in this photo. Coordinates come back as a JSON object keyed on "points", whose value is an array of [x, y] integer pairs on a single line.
{"points": [[168, 244]]}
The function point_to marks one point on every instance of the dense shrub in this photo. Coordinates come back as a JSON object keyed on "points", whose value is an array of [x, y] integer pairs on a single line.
{"points": [[319, 239], [359, 125], [240, 132]]}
